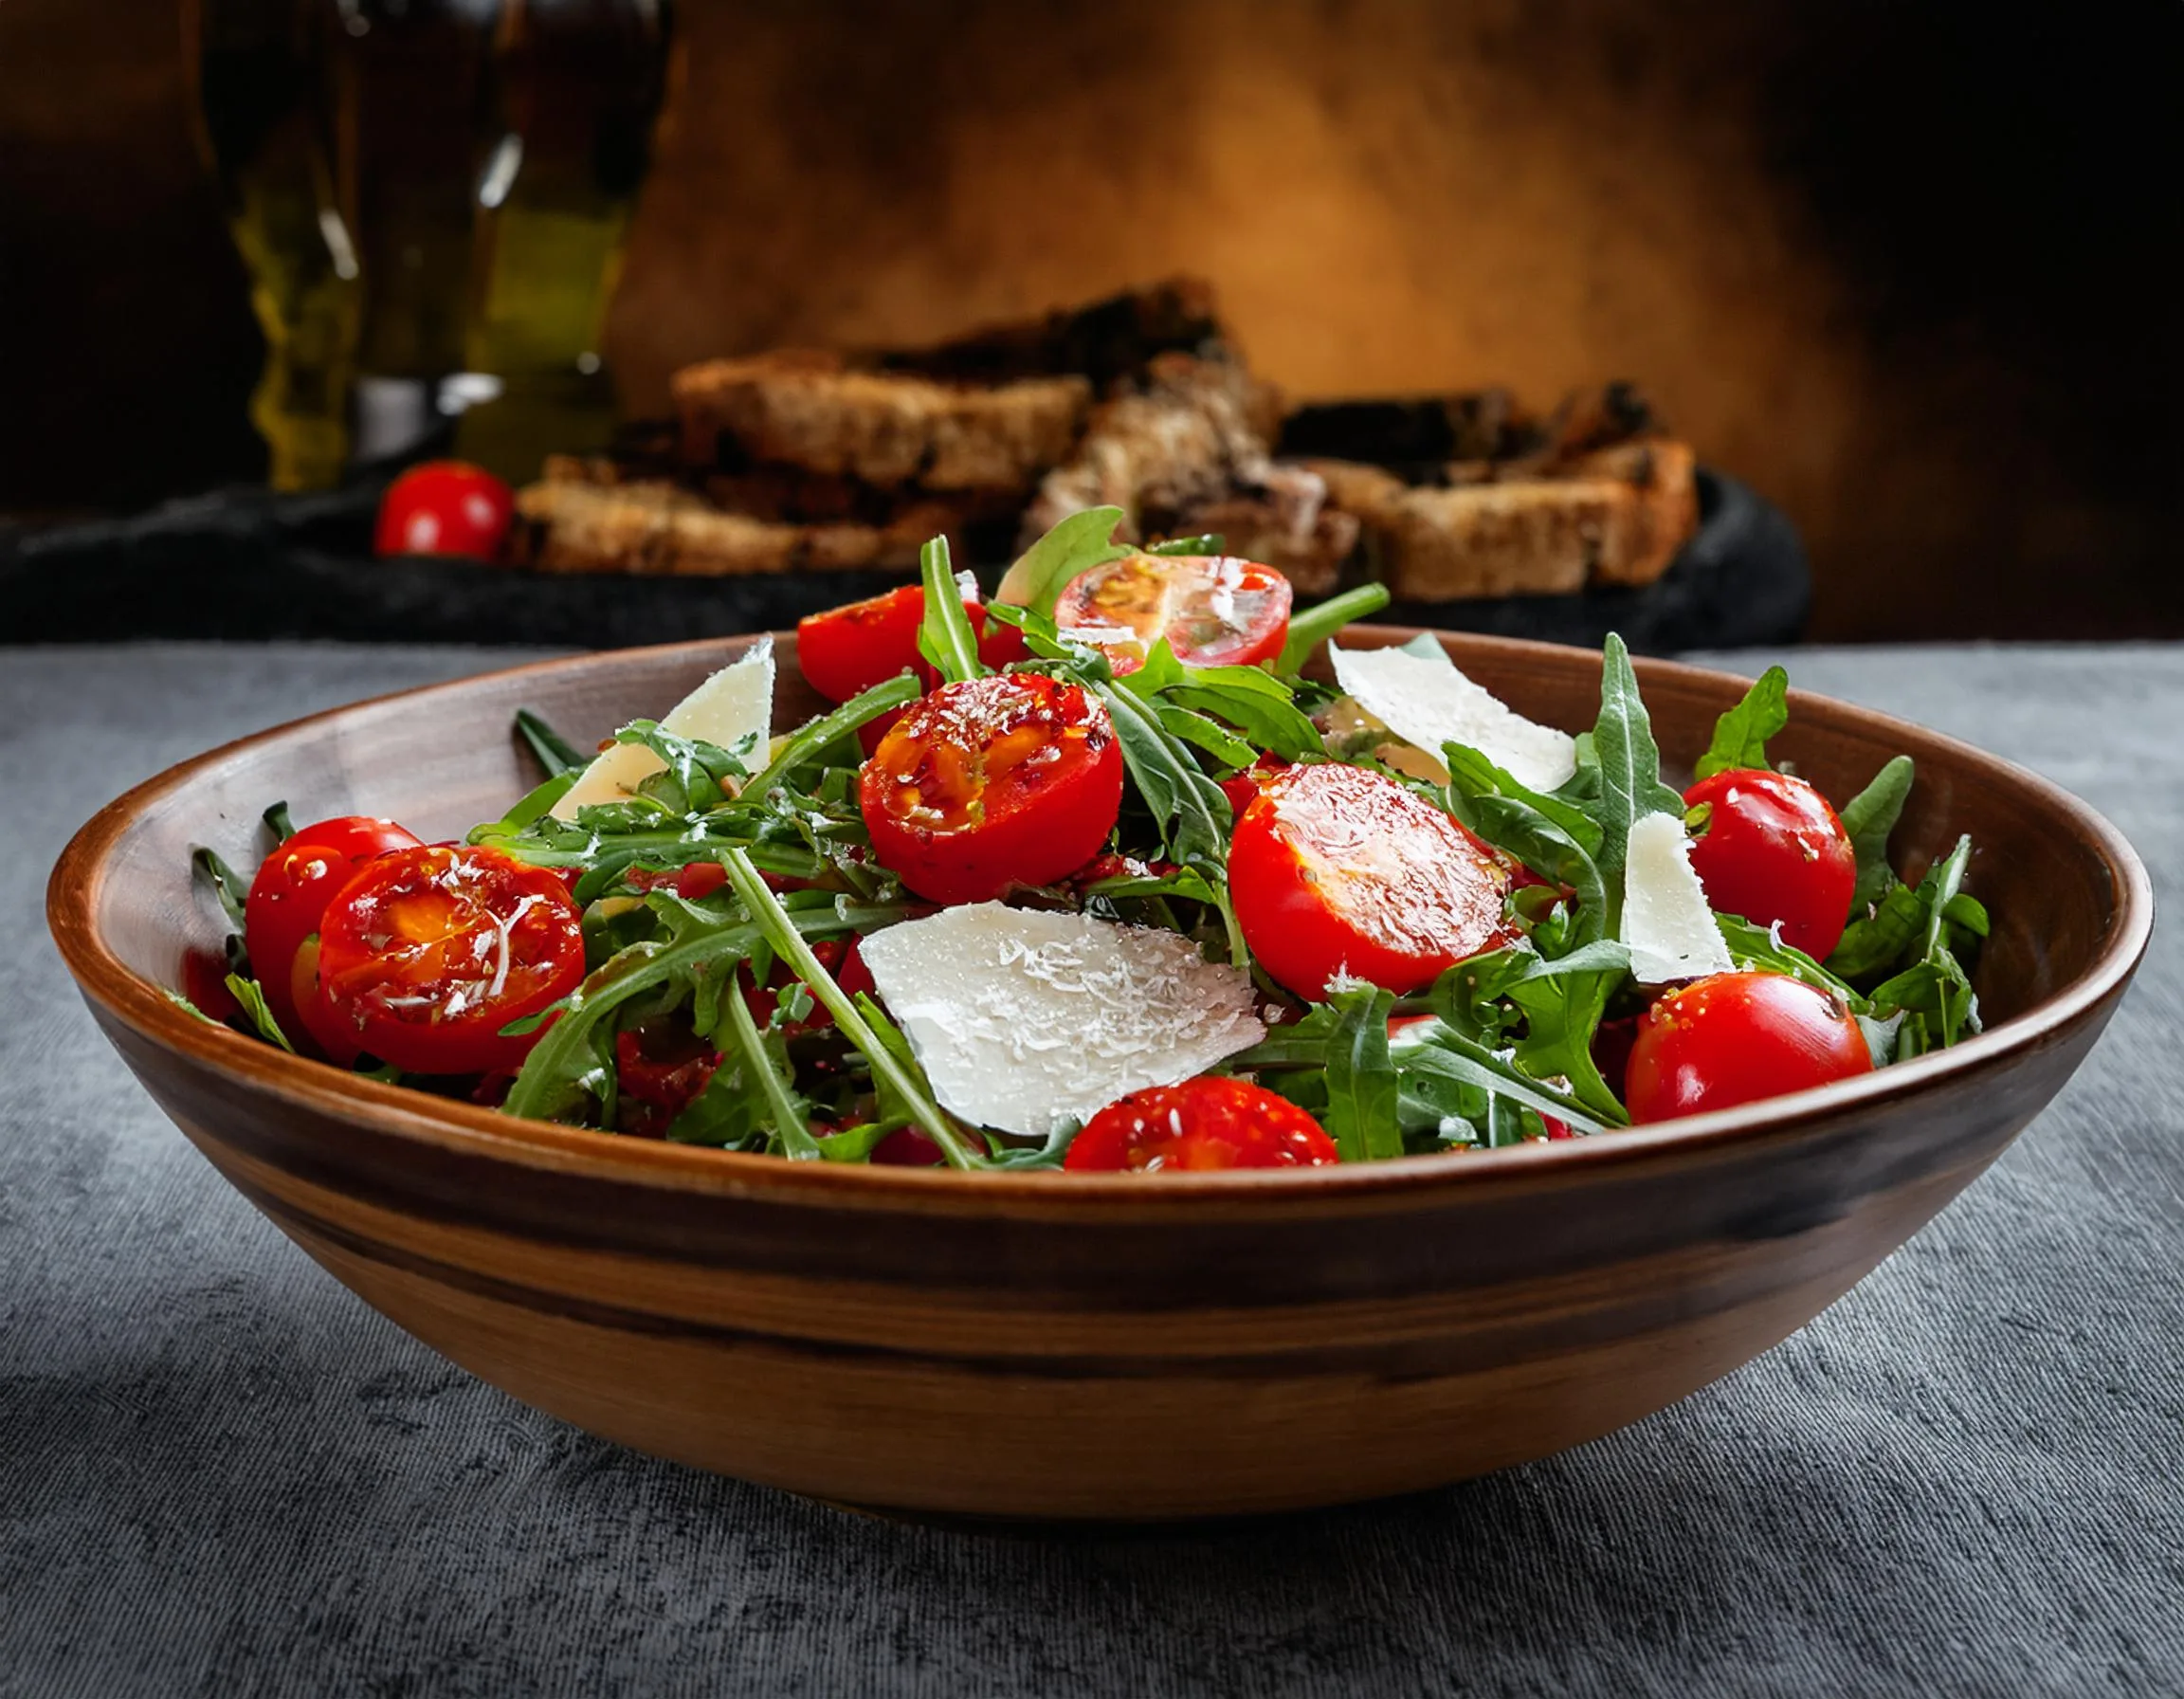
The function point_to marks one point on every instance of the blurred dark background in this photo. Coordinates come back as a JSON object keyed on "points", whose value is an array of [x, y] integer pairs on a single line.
{"points": [[1910, 271]]}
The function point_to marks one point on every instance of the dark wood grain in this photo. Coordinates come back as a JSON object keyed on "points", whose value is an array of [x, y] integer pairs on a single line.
{"points": [[1087, 1347]]}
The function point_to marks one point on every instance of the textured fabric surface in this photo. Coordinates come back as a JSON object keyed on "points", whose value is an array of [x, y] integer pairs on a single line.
{"points": [[221, 1474]]}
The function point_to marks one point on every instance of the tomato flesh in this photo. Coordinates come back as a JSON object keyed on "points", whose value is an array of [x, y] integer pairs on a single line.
{"points": [[660, 1066], [288, 896], [1737, 1038], [428, 953], [1338, 870], [444, 507], [994, 782], [1214, 609], [1200, 1124], [1771, 849]]}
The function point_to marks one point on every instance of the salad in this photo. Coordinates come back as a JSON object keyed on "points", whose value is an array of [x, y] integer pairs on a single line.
{"points": [[1090, 876]]}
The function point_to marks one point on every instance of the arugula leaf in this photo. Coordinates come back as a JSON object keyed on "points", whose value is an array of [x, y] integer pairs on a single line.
{"points": [[247, 991], [1432, 1052], [1629, 761], [227, 884], [1257, 705], [904, 1080], [1556, 841], [1561, 1001], [1206, 542], [184, 1004], [555, 753], [945, 637], [232, 890], [1752, 946], [1360, 1078], [1079, 543], [279, 824], [1740, 735], [812, 741], [1310, 629], [1214, 738], [1868, 819], [725, 1114], [694, 775], [1192, 816], [761, 1065]]}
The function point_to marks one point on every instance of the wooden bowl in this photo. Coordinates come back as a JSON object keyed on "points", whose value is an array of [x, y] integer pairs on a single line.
{"points": [[1060, 1346]]}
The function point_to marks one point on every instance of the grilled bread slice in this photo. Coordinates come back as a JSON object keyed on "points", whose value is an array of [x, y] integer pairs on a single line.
{"points": [[887, 430]]}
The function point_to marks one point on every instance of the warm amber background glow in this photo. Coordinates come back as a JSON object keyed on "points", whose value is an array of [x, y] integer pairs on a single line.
{"points": [[1899, 273]]}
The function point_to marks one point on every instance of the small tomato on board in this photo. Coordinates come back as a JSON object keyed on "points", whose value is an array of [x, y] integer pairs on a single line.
{"points": [[1200, 1124], [1737, 1038], [444, 507]]}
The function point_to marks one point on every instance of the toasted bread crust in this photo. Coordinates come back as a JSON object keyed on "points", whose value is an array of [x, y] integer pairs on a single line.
{"points": [[662, 529], [886, 429], [1616, 516]]}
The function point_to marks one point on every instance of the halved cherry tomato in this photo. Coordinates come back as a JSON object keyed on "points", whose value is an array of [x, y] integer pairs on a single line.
{"points": [[428, 953], [1770, 850], [289, 895], [1202, 1124], [1214, 609], [444, 507], [1011, 779], [1338, 869], [1736, 1038]]}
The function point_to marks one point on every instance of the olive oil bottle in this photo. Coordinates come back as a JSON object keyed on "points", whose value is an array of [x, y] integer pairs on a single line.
{"points": [[432, 194]]}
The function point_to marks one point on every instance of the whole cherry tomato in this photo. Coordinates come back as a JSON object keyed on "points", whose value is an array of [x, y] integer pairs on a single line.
{"points": [[444, 507], [1736, 1038], [1214, 609], [289, 896], [1338, 870], [851, 649], [1769, 848], [428, 953], [1202, 1124], [1016, 779]]}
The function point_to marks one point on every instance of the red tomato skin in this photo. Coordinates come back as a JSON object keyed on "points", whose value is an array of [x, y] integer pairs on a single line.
{"points": [[852, 648], [1738, 1039], [407, 921], [1772, 851], [906, 1147], [1335, 868], [1202, 1124], [1169, 591], [288, 896], [1043, 823], [444, 507]]}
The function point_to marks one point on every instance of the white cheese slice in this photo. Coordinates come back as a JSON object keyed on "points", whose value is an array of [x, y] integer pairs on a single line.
{"points": [[1026, 1020], [1667, 921], [1422, 697], [734, 703]]}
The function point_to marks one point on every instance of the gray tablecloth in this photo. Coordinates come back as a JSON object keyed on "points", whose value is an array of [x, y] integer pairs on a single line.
{"points": [[221, 1474]]}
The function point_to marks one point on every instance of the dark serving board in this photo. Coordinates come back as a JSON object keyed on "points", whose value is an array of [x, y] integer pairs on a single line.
{"points": [[253, 565]]}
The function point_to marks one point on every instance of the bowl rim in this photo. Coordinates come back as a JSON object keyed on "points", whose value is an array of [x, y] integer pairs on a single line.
{"points": [[75, 887]]}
